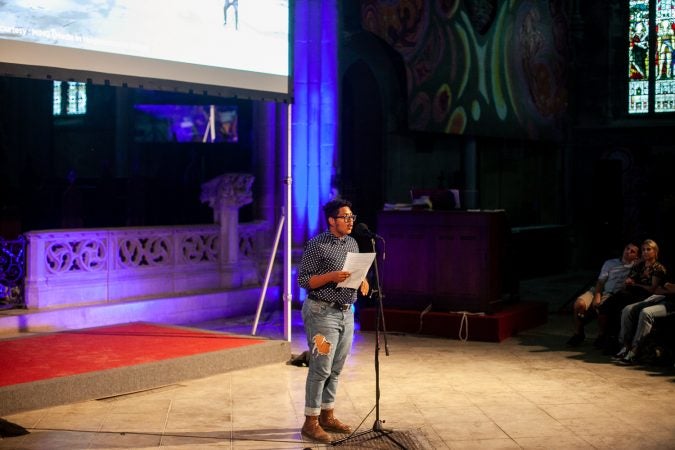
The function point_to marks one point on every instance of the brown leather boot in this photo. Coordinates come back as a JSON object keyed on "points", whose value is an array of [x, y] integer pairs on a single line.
{"points": [[330, 423], [312, 430]]}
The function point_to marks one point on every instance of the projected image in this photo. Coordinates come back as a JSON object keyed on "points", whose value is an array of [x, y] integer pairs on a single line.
{"points": [[479, 67], [246, 35], [185, 123]]}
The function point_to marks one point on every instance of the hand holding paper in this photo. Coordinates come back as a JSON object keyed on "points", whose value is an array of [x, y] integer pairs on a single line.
{"points": [[357, 264]]}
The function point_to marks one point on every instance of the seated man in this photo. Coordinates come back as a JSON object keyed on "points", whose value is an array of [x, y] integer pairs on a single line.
{"points": [[611, 279]]}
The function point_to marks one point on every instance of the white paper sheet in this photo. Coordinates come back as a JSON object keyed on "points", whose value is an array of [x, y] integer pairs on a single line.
{"points": [[357, 264]]}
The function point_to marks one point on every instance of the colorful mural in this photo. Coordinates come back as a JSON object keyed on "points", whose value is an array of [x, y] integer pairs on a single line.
{"points": [[479, 67]]}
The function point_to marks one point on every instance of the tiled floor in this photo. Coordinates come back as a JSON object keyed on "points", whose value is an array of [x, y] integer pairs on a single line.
{"points": [[526, 392]]}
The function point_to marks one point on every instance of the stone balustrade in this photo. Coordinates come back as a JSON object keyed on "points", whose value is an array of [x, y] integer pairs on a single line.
{"points": [[85, 267]]}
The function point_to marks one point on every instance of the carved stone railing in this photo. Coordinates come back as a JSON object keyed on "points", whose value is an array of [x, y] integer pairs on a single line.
{"points": [[12, 272], [76, 267]]}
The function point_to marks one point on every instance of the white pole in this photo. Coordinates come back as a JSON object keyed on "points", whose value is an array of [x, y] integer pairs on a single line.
{"points": [[212, 122], [288, 296], [210, 129], [268, 274]]}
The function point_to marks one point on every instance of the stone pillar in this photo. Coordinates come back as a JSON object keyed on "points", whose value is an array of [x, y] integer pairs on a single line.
{"points": [[470, 160], [226, 194]]}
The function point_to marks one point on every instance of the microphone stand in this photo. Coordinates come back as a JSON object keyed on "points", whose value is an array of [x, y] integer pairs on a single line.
{"points": [[377, 425]]}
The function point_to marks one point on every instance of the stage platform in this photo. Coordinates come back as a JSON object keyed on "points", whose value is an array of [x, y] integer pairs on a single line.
{"points": [[186, 308], [51, 369], [495, 327]]}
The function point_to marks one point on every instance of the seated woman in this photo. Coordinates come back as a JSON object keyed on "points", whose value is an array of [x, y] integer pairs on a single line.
{"points": [[644, 313], [643, 280]]}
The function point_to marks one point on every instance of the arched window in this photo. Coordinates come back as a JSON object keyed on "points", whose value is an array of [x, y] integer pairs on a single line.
{"points": [[70, 98], [651, 47]]}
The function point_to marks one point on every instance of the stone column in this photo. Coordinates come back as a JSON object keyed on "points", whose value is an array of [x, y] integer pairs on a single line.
{"points": [[226, 194]]}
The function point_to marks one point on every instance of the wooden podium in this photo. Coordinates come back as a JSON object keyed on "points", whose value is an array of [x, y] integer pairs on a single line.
{"points": [[452, 260]]}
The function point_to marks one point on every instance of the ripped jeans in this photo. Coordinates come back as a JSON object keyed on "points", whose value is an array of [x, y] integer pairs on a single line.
{"points": [[329, 335]]}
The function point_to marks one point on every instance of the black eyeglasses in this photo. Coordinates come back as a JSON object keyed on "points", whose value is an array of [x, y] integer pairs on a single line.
{"points": [[351, 218]]}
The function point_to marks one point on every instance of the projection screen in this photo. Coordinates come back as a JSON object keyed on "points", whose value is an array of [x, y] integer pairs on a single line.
{"points": [[216, 47], [229, 48]]}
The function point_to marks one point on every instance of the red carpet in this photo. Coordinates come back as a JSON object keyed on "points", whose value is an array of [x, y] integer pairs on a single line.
{"points": [[68, 353]]}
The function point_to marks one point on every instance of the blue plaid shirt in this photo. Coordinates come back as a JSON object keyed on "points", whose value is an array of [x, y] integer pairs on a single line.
{"points": [[327, 253]]}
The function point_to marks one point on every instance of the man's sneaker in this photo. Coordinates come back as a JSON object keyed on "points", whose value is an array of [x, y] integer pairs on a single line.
{"points": [[576, 340]]}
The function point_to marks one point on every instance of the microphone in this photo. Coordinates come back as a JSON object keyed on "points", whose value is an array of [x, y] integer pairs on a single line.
{"points": [[362, 229]]}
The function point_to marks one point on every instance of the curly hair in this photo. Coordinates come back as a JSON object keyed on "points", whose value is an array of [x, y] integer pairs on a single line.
{"points": [[331, 208]]}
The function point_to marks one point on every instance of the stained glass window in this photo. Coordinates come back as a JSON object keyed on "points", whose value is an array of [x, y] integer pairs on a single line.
{"points": [[77, 98], [69, 98], [664, 64], [57, 98], [651, 44], [638, 57]]}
